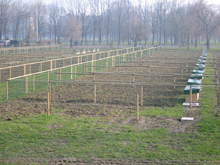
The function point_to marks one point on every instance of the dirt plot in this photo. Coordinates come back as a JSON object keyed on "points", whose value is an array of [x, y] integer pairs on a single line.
{"points": [[68, 94]]}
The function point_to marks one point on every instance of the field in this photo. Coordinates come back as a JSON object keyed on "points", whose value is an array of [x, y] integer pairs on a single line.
{"points": [[93, 118]]}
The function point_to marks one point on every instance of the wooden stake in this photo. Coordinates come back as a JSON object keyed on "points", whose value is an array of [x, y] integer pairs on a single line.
{"points": [[94, 86], [133, 78], [174, 81], [41, 67], [60, 74], [84, 68], [30, 69], [48, 77], [71, 71], [48, 103], [75, 71], [33, 82], [94, 93], [106, 63], [26, 84], [92, 66], [7, 90], [142, 95], [24, 70], [51, 65], [137, 107]]}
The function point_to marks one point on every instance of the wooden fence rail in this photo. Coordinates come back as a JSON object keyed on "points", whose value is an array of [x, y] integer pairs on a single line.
{"points": [[50, 65], [53, 65], [12, 50]]}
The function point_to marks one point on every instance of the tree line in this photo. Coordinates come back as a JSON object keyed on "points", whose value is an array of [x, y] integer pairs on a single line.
{"points": [[175, 22]]}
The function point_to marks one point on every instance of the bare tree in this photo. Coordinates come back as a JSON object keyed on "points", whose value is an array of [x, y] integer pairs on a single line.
{"points": [[144, 14], [154, 22], [40, 14], [5, 6], [72, 29], [56, 14], [137, 28], [209, 18]]}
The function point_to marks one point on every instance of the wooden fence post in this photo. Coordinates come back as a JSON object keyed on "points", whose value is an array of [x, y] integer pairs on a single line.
{"points": [[24, 73], [48, 77], [40, 66], [26, 84], [94, 86], [33, 82], [30, 69], [174, 81], [84, 68], [137, 108], [75, 68], [92, 66], [51, 65], [106, 63], [7, 89], [142, 95], [133, 79], [60, 74], [71, 71], [48, 103], [0, 76]]}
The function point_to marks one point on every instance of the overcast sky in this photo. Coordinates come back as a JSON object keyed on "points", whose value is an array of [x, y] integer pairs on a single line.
{"points": [[215, 2]]}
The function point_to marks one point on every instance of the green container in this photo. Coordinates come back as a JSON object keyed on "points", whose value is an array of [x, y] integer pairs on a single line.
{"points": [[195, 71], [203, 57], [194, 82], [196, 76], [202, 60], [199, 68], [200, 65], [195, 89]]}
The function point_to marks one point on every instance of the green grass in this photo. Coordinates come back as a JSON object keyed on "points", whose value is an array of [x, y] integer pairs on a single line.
{"points": [[176, 111]]}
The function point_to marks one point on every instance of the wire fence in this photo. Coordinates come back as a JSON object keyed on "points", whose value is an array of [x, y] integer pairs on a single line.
{"points": [[49, 65], [31, 83]]}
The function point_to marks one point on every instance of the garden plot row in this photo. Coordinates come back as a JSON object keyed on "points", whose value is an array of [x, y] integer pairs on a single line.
{"points": [[114, 87], [9, 60], [30, 82], [30, 57], [29, 49], [50, 65], [193, 88]]}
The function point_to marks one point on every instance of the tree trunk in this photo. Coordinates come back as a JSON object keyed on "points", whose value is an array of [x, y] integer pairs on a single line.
{"points": [[196, 42], [208, 42], [153, 39], [71, 44]]}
